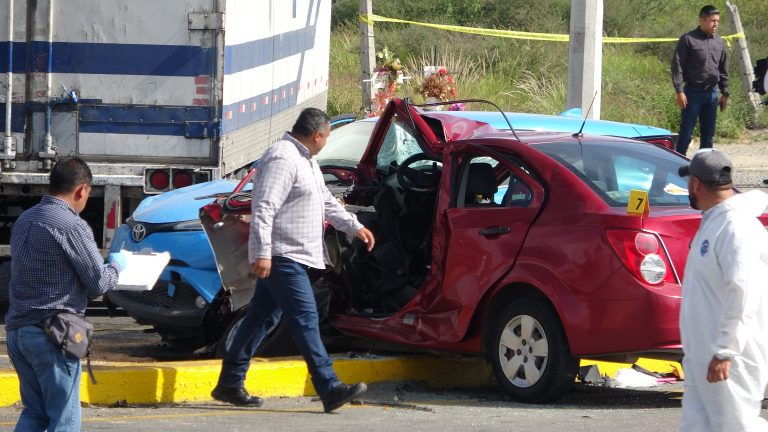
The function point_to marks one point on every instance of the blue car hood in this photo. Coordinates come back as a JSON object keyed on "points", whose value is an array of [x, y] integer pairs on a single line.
{"points": [[181, 204]]}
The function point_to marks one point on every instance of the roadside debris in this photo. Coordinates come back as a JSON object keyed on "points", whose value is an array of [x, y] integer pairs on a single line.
{"points": [[401, 405], [634, 377]]}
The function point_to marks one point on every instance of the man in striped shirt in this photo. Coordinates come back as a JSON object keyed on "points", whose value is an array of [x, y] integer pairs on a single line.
{"points": [[55, 267], [290, 204]]}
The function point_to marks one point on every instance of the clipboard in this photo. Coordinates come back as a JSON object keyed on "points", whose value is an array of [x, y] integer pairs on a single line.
{"points": [[142, 270]]}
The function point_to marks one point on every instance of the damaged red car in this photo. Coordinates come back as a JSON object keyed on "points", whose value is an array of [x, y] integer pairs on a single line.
{"points": [[515, 245]]}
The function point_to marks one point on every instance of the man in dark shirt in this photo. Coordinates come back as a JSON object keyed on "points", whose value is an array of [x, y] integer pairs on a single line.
{"points": [[701, 63], [55, 266]]}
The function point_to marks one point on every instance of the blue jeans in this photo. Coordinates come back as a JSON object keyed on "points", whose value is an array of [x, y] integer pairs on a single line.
{"points": [[702, 107], [287, 290], [49, 382]]}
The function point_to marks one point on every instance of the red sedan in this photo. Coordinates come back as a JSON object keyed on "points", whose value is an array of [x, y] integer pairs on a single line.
{"points": [[515, 245]]}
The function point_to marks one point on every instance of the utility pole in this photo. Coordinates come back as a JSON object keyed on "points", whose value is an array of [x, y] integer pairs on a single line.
{"points": [[743, 58], [585, 57], [367, 54]]}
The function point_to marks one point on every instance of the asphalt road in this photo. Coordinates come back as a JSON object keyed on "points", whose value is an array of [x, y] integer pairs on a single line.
{"points": [[405, 407]]}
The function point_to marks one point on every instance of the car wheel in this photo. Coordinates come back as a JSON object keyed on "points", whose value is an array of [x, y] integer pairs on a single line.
{"points": [[5, 281], [529, 353]]}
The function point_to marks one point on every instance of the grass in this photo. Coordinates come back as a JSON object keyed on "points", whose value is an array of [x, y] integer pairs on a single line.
{"points": [[531, 76]]}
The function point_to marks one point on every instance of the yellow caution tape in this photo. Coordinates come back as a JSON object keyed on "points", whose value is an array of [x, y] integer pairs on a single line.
{"points": [[371, 18]]}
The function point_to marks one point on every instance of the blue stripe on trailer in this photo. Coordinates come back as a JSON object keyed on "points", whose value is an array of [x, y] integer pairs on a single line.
{"points": [[192, 122], [17, 117], [249, 55], [112, 59], [19, 57], [188, 121], [242, 113]]}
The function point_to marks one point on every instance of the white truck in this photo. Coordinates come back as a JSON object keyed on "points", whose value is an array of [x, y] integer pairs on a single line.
{"points": [[154, 95]]}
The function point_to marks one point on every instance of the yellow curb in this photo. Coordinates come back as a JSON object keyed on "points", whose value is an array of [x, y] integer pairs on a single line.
{"points": [[167, 382]]}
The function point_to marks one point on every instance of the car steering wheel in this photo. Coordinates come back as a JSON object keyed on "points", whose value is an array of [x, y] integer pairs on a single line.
{"points": [[409, 177]]}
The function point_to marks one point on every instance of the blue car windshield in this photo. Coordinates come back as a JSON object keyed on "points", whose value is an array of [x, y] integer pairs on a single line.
{"points": [[613, 169]]}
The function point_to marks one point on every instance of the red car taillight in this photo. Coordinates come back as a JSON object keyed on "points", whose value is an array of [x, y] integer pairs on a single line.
{"points": [[642, 254]]}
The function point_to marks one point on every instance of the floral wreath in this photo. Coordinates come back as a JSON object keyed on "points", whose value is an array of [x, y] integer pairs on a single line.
{"points": [[439, 85], [388, 76]]}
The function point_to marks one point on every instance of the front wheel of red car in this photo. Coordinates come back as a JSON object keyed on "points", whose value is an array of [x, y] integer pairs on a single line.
{"points": [[529, 353]]}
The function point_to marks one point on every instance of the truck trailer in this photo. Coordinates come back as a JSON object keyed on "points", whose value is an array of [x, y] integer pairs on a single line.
{"points": [[153, 95]]}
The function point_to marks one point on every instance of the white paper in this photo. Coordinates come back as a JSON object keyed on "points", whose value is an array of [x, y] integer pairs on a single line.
{"points": [[142, 270]]}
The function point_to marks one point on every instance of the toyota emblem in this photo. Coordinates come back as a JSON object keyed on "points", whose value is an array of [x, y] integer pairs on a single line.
{"points": [[138, 232]]}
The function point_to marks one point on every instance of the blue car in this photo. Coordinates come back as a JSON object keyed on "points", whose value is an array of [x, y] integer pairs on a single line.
{"points": [[191, 309]]}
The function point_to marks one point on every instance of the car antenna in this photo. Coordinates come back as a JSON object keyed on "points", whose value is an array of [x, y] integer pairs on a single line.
{"points": [[503, 114], [579, 134]]}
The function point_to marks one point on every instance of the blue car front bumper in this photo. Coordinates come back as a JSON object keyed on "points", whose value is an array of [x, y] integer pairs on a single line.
{"points": [[187, 286]]}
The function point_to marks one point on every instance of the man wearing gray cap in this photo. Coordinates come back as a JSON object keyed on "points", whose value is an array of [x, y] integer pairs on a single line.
{"points": [[724, 310]]}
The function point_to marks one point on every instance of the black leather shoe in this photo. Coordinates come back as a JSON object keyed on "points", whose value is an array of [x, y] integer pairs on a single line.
{"points": [[236, 396], [341, 395]]}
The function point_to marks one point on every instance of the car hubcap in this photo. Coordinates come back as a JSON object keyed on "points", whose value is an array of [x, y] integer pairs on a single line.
{"points": [[523, 351]]}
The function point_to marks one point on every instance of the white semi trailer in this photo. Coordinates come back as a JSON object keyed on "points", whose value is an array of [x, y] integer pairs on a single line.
{"points": [[154, 95]]}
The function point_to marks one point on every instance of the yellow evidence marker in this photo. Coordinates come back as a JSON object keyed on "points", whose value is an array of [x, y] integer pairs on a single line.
{"points": [[638, 202]]}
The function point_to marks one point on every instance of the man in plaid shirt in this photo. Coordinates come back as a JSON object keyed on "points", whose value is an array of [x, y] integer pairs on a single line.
{"points": [[290, 204], [55, 267]]}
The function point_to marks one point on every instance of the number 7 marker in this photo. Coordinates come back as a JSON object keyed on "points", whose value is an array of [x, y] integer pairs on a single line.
{"points": [[638, 202]]}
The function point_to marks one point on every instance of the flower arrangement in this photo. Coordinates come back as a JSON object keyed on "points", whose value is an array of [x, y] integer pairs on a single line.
{"points": [[439, 85], [388, 76]]}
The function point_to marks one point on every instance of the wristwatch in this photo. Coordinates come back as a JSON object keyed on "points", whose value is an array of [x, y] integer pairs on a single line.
{"points": [[726, 94]]}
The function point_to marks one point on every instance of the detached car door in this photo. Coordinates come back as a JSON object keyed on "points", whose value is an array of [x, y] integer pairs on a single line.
{"points": [[494, 202]]}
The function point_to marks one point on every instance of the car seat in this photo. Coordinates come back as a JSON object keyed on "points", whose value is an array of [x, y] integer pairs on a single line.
{"points": [[518, 194], [481, 186]]}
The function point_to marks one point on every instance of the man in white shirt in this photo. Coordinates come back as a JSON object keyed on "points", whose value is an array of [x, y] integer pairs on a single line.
{"points": [[290, 204], [724, 310]]}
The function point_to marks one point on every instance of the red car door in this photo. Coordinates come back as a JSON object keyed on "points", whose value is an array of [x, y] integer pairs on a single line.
{"points": [[484, 229]]}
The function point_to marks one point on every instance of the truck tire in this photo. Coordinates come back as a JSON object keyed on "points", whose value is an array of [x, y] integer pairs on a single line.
{"points": [[529, 353], [5, 280]]}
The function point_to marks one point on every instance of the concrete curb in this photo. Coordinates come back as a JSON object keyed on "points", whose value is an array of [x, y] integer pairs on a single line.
{"points": [[170, 382]]}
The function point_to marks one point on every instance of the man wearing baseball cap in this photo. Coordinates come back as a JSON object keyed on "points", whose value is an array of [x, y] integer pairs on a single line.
{"points": [[724, 310]]}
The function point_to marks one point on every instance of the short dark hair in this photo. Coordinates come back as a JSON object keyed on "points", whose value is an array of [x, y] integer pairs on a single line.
{"points": [[708, 10], [310, 120], [68, 174]]}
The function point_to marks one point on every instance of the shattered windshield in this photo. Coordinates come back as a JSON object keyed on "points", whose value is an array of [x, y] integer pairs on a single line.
{"points": [[399, 144], [346, 145]]}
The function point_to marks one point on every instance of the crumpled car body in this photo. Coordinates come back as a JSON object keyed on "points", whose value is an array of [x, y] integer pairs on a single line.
{"points": [[516, 244]]}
